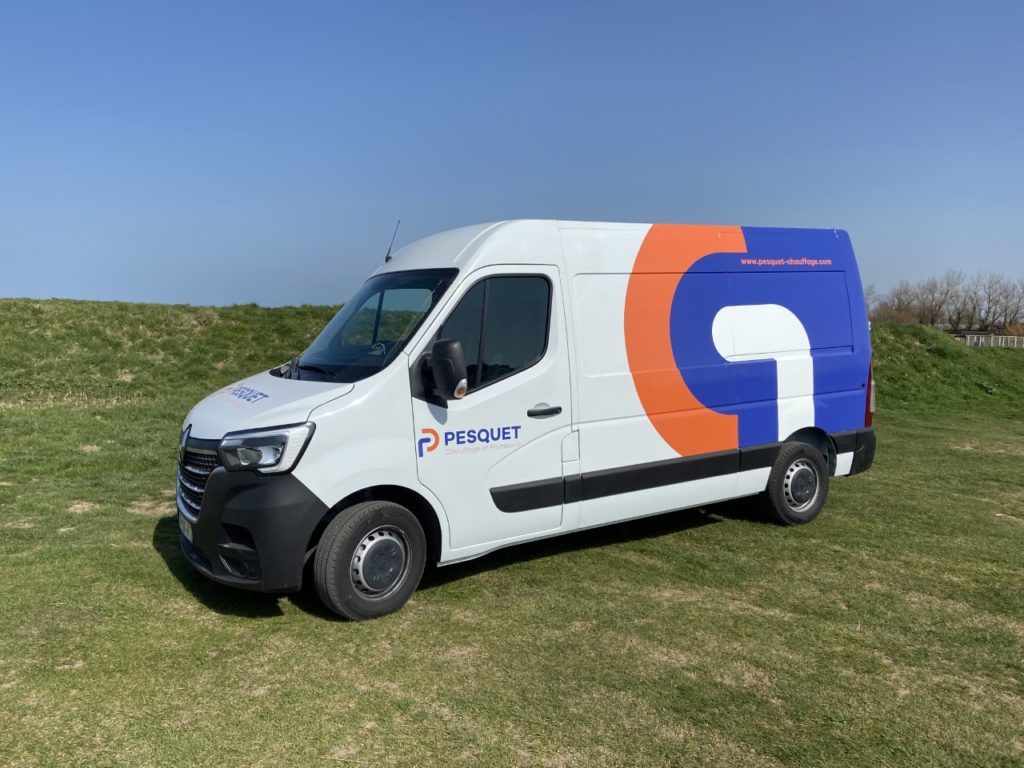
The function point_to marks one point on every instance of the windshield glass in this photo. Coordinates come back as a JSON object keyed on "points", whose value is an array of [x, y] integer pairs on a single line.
{"points": [[373, 327]]}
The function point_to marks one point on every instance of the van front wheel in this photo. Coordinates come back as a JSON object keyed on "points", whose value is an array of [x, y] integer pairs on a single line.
{"points": [[798, 484], [369, 560]]}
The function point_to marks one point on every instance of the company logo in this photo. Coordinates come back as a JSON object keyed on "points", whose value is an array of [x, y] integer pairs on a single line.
{"points": [[247, 394], [459, 440], [732, 342], [428, 442]]}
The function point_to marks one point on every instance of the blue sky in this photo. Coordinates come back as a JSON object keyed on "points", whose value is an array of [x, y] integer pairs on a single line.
{"points": [[227, 152]]}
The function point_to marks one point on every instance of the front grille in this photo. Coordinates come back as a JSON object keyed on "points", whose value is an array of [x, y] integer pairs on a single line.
{"points": [[194, 467]]}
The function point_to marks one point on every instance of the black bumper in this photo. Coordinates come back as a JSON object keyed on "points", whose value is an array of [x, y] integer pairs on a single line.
{"points": [[253, 530], [862, 443]]}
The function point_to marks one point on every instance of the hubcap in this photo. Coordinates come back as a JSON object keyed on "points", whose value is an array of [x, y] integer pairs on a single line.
{"points": [[380, 562], [801, 485]]}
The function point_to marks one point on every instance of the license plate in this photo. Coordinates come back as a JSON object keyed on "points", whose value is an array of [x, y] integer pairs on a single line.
{"points": [[186, 527]]}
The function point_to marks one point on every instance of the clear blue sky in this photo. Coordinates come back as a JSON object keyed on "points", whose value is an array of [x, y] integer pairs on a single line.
{"points": [[223, 152]]}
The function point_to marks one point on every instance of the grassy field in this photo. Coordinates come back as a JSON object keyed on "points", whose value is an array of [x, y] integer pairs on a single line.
{"points": [[888, 632]]}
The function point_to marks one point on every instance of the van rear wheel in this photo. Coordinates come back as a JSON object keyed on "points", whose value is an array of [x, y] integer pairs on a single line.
{"points": [[798, 484], [369, 560]]}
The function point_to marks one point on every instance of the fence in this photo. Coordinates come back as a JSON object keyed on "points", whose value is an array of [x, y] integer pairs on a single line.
{"points": [[979, 340]]}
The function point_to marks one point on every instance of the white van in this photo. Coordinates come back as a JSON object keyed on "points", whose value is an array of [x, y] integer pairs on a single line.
{"points": [[506, 382]]}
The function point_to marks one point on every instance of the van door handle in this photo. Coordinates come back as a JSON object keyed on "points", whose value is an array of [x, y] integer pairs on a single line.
{"points": [[540, 411]]}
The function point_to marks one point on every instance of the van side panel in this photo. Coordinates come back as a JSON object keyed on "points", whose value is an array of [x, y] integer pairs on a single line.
{"points": [[699, 343]]}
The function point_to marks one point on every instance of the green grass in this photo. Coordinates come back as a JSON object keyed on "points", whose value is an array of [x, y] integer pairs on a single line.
{"points": [[888, 632]]}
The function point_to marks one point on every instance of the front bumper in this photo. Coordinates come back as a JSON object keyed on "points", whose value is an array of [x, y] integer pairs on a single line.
{"points": [[252, 530]]}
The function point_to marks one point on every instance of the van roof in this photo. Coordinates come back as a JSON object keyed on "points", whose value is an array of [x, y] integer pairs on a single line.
{"points": [[464, 246], [521, 241]]}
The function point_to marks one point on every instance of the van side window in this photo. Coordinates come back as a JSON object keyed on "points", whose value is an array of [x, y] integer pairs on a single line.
{"points": [[515, 326], [465, 324], [503, 326]]}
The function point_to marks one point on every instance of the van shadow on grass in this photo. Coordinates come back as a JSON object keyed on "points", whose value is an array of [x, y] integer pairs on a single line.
{"points": [[216, 597], [652, 527], [237, 602]]}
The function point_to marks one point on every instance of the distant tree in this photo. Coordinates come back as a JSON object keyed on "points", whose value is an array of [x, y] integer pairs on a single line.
{"points": [[898, 304], [985, 301], [957, 310], [1011, 302], [992, 296], [932, 298], [1015, 326], [903, 297], [973, 303]]}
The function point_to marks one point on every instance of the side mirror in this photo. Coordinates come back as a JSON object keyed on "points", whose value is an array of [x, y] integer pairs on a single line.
{"points": [[448, 364]]}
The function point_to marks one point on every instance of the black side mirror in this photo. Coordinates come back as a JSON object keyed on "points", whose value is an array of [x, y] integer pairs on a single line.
{"points": [[448, 364]]}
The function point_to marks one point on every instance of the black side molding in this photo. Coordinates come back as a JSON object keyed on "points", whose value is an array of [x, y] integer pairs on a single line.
{"points": [[758, 456], [551, 492], [573, 489], [526, 496], [610, 482]]}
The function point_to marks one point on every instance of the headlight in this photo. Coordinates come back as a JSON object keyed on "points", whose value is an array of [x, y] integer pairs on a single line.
{"points": [[265, 450]]}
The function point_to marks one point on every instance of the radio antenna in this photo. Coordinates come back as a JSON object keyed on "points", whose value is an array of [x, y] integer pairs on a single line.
{"points": [[387, 256]]}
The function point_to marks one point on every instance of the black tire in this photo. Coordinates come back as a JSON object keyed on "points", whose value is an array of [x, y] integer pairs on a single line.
{"points": [[798, 484], [383, 574]]}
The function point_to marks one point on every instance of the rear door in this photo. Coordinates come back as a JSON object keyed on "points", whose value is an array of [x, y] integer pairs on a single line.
{"points": [[494, 458]]}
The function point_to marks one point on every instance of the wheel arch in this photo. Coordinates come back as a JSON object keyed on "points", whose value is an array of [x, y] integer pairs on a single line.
{"points": [[397, 494], [818, 439]]}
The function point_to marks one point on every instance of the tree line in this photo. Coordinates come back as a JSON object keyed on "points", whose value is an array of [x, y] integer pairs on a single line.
{"points": [[984, 302]]}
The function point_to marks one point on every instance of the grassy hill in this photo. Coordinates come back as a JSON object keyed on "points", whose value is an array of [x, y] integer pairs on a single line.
{"points": [[888, 632], [923, 370]]}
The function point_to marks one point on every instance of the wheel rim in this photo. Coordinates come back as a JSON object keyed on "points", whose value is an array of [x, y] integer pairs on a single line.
{"points": [[801, 485], [380, 562]]}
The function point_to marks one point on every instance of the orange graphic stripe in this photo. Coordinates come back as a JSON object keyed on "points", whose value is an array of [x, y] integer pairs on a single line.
{"points": [[667, 252]]}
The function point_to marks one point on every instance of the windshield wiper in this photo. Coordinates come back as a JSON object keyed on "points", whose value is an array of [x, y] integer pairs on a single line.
{"points": [[296, 365], [315, 369]]}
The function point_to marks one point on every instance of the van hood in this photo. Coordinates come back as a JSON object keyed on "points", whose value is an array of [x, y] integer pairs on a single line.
{"points": [[258, 402]]}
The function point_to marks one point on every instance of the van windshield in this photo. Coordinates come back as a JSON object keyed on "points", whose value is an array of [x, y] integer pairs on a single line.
{"points": [[373, 327]]}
